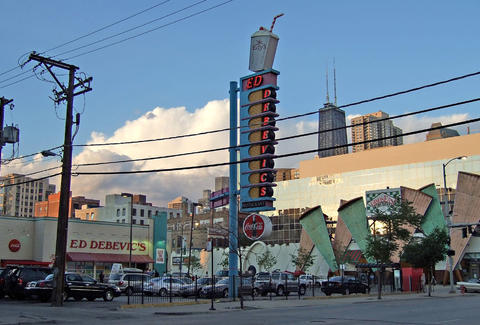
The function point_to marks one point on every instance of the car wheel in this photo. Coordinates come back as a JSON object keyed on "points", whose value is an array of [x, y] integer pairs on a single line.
{"points": [[163, 292], [280, 291], [225, 293], [302, 290], [346, 292], [108, 296], [328, 293], [77, 298], [129, 291], [255, 292], [90, 298]]}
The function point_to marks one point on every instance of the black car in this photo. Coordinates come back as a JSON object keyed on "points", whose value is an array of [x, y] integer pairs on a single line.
{"points": [[17, 278], [76, 286], [344, 285], [3, 274]]}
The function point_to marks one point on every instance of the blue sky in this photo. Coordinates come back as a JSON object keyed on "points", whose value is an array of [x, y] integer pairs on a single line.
{"points": [[175, 73]]}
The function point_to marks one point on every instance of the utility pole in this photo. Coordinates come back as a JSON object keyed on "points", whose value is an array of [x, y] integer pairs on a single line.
{"points": [[194, 205], [3, 103], [67, 94]]}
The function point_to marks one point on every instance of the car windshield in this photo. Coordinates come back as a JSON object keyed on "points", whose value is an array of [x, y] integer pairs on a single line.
{"points": [[263, 277], [49, 277], [224, 281]]}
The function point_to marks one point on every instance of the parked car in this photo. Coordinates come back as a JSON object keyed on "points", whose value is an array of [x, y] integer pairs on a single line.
{"points": [[284, 283], [344, 285], [3, 274], [309, 280], [131, 283], [472, 285], [193, 288], [221, 274], [76, 286], [244, 288], [17, 278], [163, 286], [262, 285]]}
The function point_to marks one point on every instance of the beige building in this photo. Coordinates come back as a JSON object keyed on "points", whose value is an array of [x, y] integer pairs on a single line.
{"points": [[374, 130], [441, 133], [91, 246]]}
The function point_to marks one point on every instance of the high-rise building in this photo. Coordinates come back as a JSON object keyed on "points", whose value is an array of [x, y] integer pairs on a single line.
{"points": [[221, 182], [441, 133], [331, 117], [374, 130], [51, 206], [19, 200]]}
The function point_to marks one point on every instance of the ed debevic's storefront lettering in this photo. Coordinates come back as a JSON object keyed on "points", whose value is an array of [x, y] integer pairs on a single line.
{"points": [[105, 244]]}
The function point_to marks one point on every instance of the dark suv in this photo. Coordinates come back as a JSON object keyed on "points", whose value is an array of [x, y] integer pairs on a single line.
{"points": [[344, 285], [3, 274], [17, 278]]}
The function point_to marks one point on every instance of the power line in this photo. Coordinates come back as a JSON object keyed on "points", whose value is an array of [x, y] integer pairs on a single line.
{"points": [[129, 30], [274, 156], [30, 181], [106, 27], [150, 30], [33, 173], [284, 118], [284, 138]]}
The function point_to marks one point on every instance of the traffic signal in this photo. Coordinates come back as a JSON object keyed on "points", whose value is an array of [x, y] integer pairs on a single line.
{"points": [[258, 99]]}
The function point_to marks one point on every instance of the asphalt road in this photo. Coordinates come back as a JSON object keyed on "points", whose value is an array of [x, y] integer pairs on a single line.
{"points": [[361, 309]]}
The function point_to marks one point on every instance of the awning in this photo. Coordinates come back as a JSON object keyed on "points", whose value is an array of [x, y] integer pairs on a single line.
{"points": [[107, 258], [24, 262]]}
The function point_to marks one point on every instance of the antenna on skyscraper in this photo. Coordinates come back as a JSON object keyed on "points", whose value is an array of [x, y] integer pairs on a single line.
{"points": [[334, 82], [328, 97]]}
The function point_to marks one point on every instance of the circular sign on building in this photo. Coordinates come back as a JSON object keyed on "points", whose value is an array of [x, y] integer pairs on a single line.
{"points": [[14, 245], [256, 226]]}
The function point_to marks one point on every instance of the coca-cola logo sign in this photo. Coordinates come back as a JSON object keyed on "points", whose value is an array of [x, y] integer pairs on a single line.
{"points": [[14, 245], [256, 226]]}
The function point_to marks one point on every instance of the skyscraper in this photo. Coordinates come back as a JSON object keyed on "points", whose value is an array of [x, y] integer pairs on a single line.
{"points": [[374, 130], [331, 117]]}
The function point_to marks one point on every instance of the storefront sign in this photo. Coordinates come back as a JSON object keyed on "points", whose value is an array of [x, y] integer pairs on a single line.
{"points": [[382, 200], [107, 245], [14, 245], [256, 226]]}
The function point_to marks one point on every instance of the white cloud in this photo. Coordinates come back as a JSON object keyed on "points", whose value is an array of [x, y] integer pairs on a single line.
{"points": [[164, 122]]}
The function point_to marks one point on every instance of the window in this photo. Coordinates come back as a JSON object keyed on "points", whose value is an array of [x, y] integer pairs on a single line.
{"points": [[118, 212], [123, 220], [92, 215], [124, 211], [134, 212], [142, 213], [141, 222], [134, 221], [87, 215], [171, 215], [149, 213]]}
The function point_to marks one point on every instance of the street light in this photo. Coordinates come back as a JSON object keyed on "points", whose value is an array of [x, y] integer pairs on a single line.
{"points": [[191, 237], [448, 216]]}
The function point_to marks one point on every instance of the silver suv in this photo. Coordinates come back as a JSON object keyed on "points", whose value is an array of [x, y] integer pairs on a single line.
{"points": [[281, 283], [130, 283]]}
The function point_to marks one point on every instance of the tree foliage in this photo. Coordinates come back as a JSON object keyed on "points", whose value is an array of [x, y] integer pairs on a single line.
{"points": [[391, 226], [195, 263], [302, 260], [426, 252], [266, 261]]}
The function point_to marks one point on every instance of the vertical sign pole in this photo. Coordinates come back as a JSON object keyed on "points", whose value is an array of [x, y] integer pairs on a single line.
{"points": [[233, 211]]}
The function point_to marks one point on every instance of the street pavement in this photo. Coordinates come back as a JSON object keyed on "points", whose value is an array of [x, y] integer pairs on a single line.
{"points": [[401, 308]]}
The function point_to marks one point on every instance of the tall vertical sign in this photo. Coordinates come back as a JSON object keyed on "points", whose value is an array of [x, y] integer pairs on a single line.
{"points": [[258, 99]]}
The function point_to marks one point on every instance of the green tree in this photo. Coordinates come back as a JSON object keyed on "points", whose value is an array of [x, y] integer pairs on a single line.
{"points": [[224, 262], [195, 264], [266, 261], [391, 227], [302, 260], [426, 252]]}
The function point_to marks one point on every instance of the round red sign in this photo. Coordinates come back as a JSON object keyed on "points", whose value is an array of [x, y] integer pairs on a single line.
{"points": [[255, 226], [14, 245]]}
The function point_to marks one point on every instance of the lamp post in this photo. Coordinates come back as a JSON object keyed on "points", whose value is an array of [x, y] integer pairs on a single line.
{"points": [[191, 236], [448, 216]]}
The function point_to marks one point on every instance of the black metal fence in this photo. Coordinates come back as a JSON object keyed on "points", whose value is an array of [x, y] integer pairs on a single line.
{"points": [[168, 289]]}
